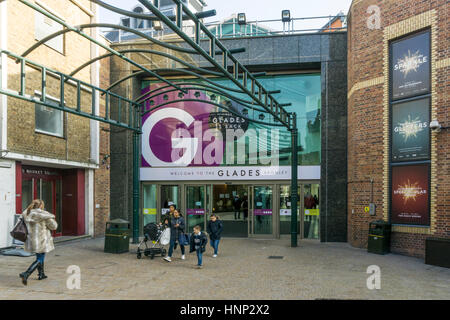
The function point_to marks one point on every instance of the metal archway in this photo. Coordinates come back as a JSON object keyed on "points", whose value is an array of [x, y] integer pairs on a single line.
{"points": [[163, 54], [215, 104], [245, 82], [206, 88]]}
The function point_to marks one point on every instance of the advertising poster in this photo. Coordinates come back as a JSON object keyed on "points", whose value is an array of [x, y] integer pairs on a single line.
{"points": [[410, 130], [410, 66], [410, 195]]}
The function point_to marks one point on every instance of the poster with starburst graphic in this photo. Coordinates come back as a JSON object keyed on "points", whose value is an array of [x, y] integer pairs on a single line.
{"points": [[410, 195], [410, 65], [410, 130]]}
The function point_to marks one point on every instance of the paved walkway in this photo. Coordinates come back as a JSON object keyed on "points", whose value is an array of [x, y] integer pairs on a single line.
{"points": [[242, 271]]}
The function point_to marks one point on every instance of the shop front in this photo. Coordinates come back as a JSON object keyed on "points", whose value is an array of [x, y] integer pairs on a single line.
{"points": [[247, 208], [62, 190], [205, 160]]}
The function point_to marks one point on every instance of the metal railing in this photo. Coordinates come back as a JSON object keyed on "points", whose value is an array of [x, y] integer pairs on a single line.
{"points": [[256, 28]]}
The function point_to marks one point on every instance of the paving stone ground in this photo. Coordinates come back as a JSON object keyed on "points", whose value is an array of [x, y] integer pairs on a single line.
{"points": [[313, 270]]}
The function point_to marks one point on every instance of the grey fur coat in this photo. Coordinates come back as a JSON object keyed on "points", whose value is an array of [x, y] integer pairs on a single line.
{"points": [[39, 224]]}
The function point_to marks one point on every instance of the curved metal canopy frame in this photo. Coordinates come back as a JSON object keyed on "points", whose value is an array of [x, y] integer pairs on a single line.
{"points": [[201, 87], [257, 93], [144, 16], [215, 104], [203, 78], [163, 54], [109, 25], [140, 73]]}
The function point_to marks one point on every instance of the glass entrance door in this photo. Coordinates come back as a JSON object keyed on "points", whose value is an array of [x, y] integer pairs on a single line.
{"points": [[231, 203], [312, 211], [149, 207], [170, 194], [285, 209], [262, 211], [195, 207]]}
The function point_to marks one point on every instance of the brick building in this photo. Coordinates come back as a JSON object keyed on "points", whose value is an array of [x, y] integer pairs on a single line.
{"points": [[398, 67], [46, 153]]}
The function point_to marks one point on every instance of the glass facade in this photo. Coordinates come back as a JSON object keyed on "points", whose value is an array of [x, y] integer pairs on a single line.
{"points": [[237, 141], [204, 128]]}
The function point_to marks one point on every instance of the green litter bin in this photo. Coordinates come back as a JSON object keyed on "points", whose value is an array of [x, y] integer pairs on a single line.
{"points": [[379, 237], [117, 236]]}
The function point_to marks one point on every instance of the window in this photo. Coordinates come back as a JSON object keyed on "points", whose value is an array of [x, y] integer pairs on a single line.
{"points": [[49, 120], [138, 23], [44, 27], [126, 22]]}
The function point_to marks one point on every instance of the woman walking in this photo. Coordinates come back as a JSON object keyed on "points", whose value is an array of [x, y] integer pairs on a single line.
{"points": [[39, 240], [214, 228], [176, 234]]}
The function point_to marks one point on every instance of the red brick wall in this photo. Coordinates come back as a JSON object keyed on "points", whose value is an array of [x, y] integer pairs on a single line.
{"points": [[366, 127]]}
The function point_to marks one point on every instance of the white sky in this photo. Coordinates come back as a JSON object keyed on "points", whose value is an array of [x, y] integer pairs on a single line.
{"points": [[255, 9]]}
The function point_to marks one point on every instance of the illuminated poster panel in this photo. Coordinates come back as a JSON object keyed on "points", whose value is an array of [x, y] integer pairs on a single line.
{"points": [[410, 66], [410, 130], [410, 195]]}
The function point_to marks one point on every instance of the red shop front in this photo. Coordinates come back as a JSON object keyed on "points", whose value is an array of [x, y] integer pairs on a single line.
{"points": [[62, 190]]}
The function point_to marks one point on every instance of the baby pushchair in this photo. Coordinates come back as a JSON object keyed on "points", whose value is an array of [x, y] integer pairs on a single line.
{"points": [[160, 237]]}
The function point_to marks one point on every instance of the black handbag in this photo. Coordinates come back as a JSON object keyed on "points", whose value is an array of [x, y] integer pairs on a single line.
{"points": [[20, 231]]}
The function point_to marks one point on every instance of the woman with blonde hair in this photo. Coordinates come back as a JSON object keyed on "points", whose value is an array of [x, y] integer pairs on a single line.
{"points": [[39, 223]]}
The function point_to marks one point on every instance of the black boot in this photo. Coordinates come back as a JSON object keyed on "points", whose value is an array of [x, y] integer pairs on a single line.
{"points": [[26, 274], [40, 268]]}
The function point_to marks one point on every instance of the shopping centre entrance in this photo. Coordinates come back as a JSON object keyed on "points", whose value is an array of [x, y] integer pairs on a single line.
{"points": [[247, 209]]}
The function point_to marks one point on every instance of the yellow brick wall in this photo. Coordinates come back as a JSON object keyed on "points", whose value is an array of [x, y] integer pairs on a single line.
{"points": [[22, 137]]}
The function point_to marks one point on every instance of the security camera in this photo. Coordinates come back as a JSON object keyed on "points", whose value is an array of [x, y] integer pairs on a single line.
{"points": [[435, 126]]}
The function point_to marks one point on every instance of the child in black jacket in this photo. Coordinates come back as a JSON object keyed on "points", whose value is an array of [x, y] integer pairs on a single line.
{"points": [[198, 244]]}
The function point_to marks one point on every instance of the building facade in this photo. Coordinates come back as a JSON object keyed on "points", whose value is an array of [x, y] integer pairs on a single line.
{"points": [[398, 75], [45, 153], [250, 190]]}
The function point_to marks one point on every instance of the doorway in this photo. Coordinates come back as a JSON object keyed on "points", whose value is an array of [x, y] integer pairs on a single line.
{"points": [[170, 195], [261, 220], [197, 206], [285, 209], [231, 204], [48, 189], [311, 211]]}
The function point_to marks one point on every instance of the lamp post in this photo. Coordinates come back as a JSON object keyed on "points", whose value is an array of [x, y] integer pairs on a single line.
{"points": [[285, 18]]}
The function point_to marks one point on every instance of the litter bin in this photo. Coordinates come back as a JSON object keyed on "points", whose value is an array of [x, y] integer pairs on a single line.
{"points": [[379, 237], [117, 236]]}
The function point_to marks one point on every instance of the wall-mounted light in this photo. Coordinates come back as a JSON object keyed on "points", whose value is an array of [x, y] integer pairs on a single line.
{"points": [[242, 19], [435, 126], [245, 112], [286, 15]]}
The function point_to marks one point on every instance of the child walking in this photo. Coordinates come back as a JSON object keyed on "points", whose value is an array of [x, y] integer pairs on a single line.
{"points": [[198, 244], [215, 228]]}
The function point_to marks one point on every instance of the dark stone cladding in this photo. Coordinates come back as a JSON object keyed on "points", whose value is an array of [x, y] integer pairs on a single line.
{"points": [[316, 52]]}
